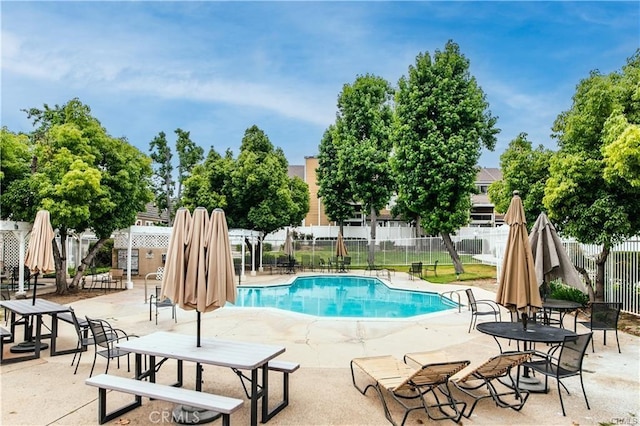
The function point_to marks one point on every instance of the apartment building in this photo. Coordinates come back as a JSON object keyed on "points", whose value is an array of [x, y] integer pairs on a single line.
{"points": [[482, 211]]}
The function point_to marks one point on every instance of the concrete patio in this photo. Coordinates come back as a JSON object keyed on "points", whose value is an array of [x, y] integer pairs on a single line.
{"points": [[45, 391]]}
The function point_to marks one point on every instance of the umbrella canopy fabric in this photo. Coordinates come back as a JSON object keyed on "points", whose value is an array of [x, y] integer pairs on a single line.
{"points": [[173, 277], [195, 287], [550, 258], [518, 286], [39, 257], [341, 248], [221, 273], [199, 272]]}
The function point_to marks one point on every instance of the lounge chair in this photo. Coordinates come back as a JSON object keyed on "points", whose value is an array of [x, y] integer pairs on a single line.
{"points": [[404, 382], [489, 375]]}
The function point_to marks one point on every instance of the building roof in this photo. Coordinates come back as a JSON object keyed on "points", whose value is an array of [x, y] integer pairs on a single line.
{"points": [[296, 171], [488, 175]]}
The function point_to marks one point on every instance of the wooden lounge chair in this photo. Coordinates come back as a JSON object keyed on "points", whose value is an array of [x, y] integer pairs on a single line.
{"points": [[492, 373], [403, 382]]}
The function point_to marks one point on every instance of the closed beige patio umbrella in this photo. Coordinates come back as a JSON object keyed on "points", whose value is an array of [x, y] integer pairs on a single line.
{"points": [[173, 276], [550, 258], [518, 286], [39, 257], [341, 248], [288, 245], [202, 278]]}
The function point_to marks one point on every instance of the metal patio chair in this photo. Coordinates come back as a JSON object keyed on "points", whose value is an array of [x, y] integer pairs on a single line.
{"points": [[567, 363]]}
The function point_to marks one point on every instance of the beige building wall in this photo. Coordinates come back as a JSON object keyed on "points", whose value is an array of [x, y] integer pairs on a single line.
{"points": [[316, 215]]}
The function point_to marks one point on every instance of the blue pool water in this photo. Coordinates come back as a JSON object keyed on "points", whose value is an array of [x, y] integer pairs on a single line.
{"points": [[342, 296]]}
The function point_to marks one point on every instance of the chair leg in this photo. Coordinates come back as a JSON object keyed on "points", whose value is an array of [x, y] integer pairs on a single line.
{"points": [[618, 341], [583, 392], [78, 364], [560, 396], [95, 355]]}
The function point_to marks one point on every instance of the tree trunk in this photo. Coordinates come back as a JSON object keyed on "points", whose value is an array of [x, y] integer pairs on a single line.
{"points": [[86, 262], [587, 279], [451, 248], [601, 261], [372, 244], [59, 259]]}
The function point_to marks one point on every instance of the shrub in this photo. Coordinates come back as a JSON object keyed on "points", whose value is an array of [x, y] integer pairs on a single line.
{"points": [[560, 291]]}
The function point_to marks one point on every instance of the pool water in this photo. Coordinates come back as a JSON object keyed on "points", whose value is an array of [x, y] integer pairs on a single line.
{"points": [[343, 296]]}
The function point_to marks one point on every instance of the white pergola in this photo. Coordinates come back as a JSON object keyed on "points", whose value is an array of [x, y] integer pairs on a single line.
{"points": [[13, 246], [158, 237], [14, 238]]}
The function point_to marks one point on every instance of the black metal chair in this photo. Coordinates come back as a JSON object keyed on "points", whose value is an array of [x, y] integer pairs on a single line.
{"points": [[15, 277], [323, 265], [82, 330], [604, 316], [104, 339], [481, 307], [415, 270], [155, 300], [567, 363], [346, 263]]}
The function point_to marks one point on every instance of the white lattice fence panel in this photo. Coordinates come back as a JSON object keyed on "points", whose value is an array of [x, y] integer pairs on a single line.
{"points": [[141, 241], [10, 250]]}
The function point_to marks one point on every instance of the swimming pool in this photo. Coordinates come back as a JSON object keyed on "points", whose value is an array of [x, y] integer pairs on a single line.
{"points": [[343, 296]]}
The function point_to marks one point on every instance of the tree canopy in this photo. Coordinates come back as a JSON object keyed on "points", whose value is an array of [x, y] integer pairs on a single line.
{"points": [[84, 177], [254, 189], [442, 122], [362, 136], [334, 189], [524, 169], [591, 193]]}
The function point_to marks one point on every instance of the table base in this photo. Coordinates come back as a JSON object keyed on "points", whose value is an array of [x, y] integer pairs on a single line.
{"points": [[27, 347], [188, 415]]}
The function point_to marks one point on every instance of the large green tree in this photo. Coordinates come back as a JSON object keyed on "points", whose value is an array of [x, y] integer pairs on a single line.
{"points": [[363, 138], [262, 196], [254, 189], [590, 193], [163, 184], [333, 189], [443, 121], [208, 184], [189, 155], [523, 169], [86, 178], [16, 152]]}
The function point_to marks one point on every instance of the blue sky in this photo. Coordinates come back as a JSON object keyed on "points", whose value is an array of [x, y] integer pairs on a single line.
{"points": [[217, 68]]}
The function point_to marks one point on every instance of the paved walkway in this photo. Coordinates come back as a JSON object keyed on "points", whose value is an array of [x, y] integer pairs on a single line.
{"points": [[46, 391]]}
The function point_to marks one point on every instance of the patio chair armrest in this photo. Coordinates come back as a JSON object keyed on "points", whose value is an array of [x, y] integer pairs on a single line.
{"points": [[493, 305]]}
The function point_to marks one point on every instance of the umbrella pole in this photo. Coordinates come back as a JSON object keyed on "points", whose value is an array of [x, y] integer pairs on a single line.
{"points": [[198, 331], [35, 287]]}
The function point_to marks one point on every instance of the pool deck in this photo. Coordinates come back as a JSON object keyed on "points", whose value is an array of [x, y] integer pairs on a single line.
{"points": [[45, 391]]}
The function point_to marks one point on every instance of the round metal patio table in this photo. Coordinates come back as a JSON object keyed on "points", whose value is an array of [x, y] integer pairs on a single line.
{"points": [[535, 333], [562, 307]]}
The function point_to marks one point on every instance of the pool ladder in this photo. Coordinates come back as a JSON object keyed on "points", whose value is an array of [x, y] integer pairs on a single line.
{"points": [[449, 295]]}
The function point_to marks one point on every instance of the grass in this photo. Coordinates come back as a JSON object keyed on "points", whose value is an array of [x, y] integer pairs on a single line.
{"points": [[472, 272]]}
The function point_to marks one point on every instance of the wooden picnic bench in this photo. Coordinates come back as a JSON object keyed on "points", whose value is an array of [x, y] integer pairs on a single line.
{"points": [[208, 401]]}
